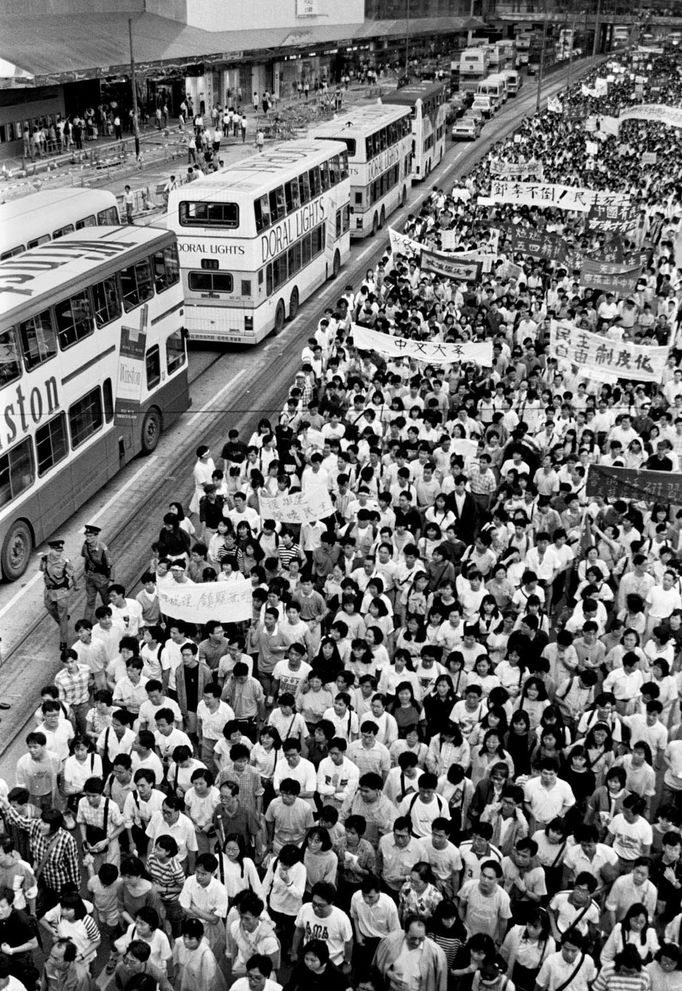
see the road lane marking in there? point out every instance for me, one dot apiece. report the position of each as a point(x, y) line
point(210, 405)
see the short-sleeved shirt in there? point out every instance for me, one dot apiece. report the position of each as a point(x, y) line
point(567, 914)
point(556, 972)
point(484, 912)
point(630, 838)
point(335, 930)
point(291, 822)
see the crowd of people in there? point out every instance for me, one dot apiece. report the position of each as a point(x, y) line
point(446, 752)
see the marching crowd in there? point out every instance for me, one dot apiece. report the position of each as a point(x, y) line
point(446, 752)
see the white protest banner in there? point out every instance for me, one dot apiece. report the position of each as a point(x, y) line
point(609, 125)
point(296, 507)
point(591, 124)
point(601, 86)
point(544, 195)
point(649, 158)
point(554, 105)
point(531, 169)
point(226, 602)
point(508, 270)
point(401, 244)
point(433, 352)
point(466, 448)
point(651, 49)
point(460, 194)
point(591, 148)
point(448, 240)
point(627, 361)
point(656, 112)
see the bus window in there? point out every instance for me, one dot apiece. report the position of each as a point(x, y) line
point(106, 301)
point(175, 351)
point(246, 287)
point(343, 164)
point(153, 367)
point(262, 211)
point(108, 397)
point(38, 240)
point(202, 214)
point(51, 443)
point(324, 176)
point(136, 284)
point(74, 319)
point(304, 187)
point(279, 271)
point(108, 217)
point(10, 363)
point(212, 282)
point(291, 195)
point(16, 471)
point(38, 340)
point(61, 231)
point(86, 222)
point(12, 252)
point(85, 417)
point(334, 170)
point(314, 178)
point(277, 204)
point(166, 268)
point(294, 259)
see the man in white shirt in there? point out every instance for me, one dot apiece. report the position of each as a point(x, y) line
point(337, 776)
point(548, 796)
point(425, 807)
point(321, 919)
point(128, 611)
point(569, 966)
point(296, 767)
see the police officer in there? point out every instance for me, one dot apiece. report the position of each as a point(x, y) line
point(98, 568)
point(59, 578)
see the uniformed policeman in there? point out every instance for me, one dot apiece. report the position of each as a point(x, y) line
point(98, 568)
point(59, 578)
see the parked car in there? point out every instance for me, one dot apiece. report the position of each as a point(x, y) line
point(466, 129)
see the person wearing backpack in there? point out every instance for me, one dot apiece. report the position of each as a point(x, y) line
point(424, 807)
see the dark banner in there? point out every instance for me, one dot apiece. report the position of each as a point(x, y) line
point(631, 483)
point(618, 218)
point(450, 266)
point(541, 244)
point(611, 277)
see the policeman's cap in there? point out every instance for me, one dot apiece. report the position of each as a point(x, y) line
point(92, 528)
point(56, 544)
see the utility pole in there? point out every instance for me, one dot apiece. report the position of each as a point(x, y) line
point(133, 83)
point(595, 47)
point(542, 56)
point(407, 37)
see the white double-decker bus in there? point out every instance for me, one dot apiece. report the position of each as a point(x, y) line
point(50, 214)
point(259, 239)
point(429, 111)
point(93, 365)
point(379, 143)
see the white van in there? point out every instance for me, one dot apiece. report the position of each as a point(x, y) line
point(513, 79)
point(495, 88)
point(484, 104)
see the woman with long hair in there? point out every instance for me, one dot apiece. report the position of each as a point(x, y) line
point(447, 748)
point(525, 948)
point(517, 742)
point(237, 871)
point(634, 930)
point(405, 709)
point(446, 929)
point(264, 756)
point(533, 700)
point(319, 859)
point(438, 705)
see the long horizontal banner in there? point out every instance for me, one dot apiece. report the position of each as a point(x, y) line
point(433, 352)
point(226, 602)
point(631, 483)
point(450, 266)
point(628, 361)
point(516, 170)
point(297, 507)
point(544, 195)
point(672, 116)
point(611, 277)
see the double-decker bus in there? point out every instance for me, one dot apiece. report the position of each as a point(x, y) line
point(429, 111)
point(379, 142)
point(259, 239)
point(93, 365)
point(51, 213)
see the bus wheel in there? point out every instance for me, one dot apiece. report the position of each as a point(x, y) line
point(279, 317)
point(375, 225)
point(336, 265)
point(293, 304)
point(16, 550)
point(151, 431)
point(382, 218)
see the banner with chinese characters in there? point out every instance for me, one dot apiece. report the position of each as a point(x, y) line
point(516, 170)
point(539, 244)
point(433, 352)
point(609, 276)
point(297, 507)
point(649, 158)
point(545, 195)
point(617, 217)
point(226, 602)
point(451, 266)
point(631, 483)
point(401, 244)
point(672, 116)
point(627, 361)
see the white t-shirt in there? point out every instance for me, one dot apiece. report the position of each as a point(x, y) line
point(335, 930)
point(629, 838)
point(422, 814)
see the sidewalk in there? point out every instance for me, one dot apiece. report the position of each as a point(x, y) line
point(111, 163)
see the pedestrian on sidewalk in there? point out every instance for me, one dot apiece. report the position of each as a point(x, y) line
point(260, 140)
point(191, 150)
point(243, 127)
point(255, 103)
point(118, 133)
point(129, 203)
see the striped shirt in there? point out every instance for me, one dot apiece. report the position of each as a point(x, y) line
point(74, 688)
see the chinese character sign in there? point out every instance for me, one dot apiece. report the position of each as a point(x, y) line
point(401, 244)
point(631, 483)
point(450, 266)
point(672, 116)
point(433, 352)
point(226, 602)
point(297, 507)
point(628, 361)
point(611, 277)
point(546, 194)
